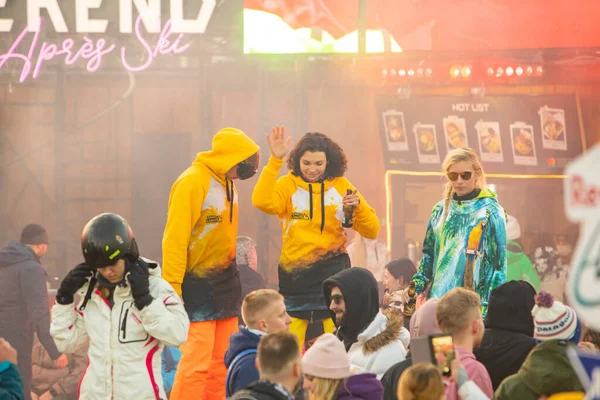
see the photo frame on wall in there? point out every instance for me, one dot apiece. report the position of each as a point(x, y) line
point(523, 144)
point(395, 130)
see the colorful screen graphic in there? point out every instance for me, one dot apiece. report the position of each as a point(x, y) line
point(331, 26)
point(307, 27)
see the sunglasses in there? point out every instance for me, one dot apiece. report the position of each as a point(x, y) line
point(337, 299)
point(453, 176)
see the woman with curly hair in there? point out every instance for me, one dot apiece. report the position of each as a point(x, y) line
point(314, 202)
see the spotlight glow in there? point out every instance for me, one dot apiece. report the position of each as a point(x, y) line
point(465, 71)
point(539, 71)
point(454, 71)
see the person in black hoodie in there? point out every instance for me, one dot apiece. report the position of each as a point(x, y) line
point(24, 300)
point(361, 300)
point(508, 336)
point(374, 340)
point(279, 363)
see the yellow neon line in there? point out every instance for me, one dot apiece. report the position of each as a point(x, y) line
point(388, 191)
point(581, 125)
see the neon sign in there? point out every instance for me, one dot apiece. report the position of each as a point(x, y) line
point(92, 51)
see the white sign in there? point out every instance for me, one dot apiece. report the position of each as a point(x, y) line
point(582, 205)
point(148, 10)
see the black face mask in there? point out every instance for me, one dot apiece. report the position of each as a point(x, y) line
point(245, 171)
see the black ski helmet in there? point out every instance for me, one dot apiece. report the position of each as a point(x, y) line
point(105, 239)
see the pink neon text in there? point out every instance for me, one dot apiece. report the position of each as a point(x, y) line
point(90, 50)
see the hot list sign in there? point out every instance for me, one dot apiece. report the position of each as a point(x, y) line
point(29, 52)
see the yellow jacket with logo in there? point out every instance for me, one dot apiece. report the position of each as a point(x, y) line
point(311, 216)
point(200, 235)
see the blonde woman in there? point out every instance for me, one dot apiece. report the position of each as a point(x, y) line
point(327, 374)
point(465, 243)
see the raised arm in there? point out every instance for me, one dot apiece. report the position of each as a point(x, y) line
point(270, 195)
point(68, 327)
point(161, 310)
point(165, 317)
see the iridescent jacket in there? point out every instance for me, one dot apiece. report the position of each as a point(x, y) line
point(468, 249)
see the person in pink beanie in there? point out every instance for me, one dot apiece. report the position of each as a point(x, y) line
point(328, 376)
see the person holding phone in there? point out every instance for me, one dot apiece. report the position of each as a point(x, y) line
point(128, 312)
point(458, 313)
point(465, 242)
point(314, 202)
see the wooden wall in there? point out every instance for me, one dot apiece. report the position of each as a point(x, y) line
point(96, 158)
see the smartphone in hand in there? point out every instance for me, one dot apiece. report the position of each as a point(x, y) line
point(436, 349)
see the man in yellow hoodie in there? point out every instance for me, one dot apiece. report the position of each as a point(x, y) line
point(199, 259)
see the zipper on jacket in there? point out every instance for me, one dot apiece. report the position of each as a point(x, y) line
point(124, 324)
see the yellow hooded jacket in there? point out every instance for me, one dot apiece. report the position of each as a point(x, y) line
point(200, 235)
point(311, 216)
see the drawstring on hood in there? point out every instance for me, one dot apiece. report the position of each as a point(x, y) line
point(310, 194)
point(230, 197)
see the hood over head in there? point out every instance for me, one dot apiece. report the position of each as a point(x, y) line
point(423, 322)
point(14, 252)
point(361, 297)
point(510, 307)
point(230, 146)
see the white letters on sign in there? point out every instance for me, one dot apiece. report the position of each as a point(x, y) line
point(33, 15)
point(5, 24)
point(84, 23)
point(194, 26)
point(149, 10)
point(582, 205)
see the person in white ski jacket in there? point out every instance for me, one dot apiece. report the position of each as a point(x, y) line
point(128, 312)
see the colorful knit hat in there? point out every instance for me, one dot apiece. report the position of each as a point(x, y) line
point(553, 319)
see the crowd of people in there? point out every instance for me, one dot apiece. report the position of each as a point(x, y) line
point(203, 325)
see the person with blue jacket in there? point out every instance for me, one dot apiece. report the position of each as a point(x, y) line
point(11, 386)
point(170, 361)
point(263, 312)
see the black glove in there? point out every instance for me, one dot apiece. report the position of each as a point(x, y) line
point(74, 280)
point(138, 280)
